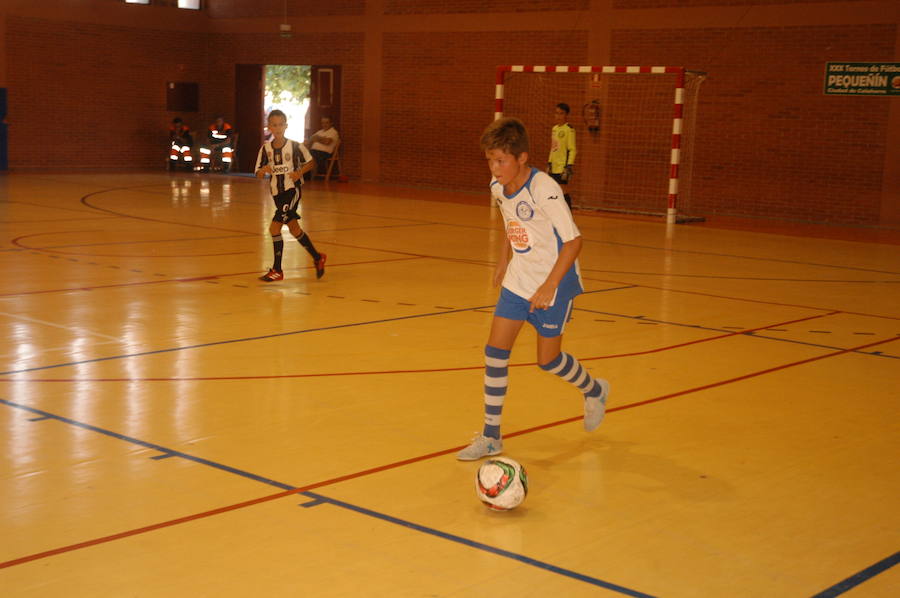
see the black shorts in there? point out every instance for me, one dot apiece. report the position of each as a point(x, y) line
point(558, 177)
point(286, 205)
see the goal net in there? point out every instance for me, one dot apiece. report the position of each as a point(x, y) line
point(634, 131)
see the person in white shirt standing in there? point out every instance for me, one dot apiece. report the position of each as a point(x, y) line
point(323, 143)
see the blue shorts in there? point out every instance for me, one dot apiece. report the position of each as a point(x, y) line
point(548, 322)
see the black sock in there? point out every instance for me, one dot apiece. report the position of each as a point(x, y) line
point(278, 246)
point(307, 244)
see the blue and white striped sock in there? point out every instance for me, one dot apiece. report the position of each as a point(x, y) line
point(496, 380)
point(569, 369)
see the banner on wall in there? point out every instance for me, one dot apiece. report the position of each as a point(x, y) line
point(862, 78)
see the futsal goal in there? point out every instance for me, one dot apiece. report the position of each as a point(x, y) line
point(634, 125)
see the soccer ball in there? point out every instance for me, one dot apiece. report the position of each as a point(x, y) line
point(501, 484)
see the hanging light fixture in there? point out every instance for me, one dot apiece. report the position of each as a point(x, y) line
point(284, 29)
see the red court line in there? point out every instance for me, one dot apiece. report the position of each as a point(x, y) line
point(395, 465)
point(421, 371)
point(708, 386)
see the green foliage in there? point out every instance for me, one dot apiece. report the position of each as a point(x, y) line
point(288, 79)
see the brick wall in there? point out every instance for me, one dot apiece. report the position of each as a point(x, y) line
point(87, 96)
point(437, 97)
point(233, 9)
point(769, 142)
point(411, 7)
point(630, 4)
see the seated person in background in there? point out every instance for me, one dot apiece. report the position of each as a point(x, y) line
point(220, 138)
point(323, 143)
point(180, 132)
point(180, 143)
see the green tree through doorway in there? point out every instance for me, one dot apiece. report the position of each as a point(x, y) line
point(287, 89)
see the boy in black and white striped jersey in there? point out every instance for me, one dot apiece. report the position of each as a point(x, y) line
point(285, 161)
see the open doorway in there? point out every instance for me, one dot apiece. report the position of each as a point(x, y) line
point(286, 88)
point(305, 93)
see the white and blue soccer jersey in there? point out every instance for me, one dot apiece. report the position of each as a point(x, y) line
point(538, 222)
point(284, 160)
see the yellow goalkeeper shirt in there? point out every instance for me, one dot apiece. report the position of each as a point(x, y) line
point(562, 148)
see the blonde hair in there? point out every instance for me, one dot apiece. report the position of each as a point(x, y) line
point(507, 134)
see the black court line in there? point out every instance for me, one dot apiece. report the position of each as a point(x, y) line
point(750, 278)
point(147, 242)
point(858, 578)
point(318, 498)
point(746, 257)
point(477, 227)
point(237, 340)
point(751, 333)
point(84, 201)
point(481, 309)
point(267, 336)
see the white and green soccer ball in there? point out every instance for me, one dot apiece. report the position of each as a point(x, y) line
point(501, 483)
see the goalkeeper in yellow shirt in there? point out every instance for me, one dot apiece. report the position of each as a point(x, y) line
point(562, 150)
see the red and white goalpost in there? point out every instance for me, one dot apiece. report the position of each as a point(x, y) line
point(631, 133)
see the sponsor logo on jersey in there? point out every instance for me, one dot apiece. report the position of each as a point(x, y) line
point(281, 168)
point(518, 237)
point(524, 211)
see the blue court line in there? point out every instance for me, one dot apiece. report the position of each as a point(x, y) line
point(267, 336)
point(478, 545)
point(165, 452)
point(864, 575)
point(318, 499)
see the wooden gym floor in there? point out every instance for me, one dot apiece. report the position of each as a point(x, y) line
point(171, 426)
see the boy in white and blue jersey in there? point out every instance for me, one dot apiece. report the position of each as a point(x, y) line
point(285, 161)
point(539, 275)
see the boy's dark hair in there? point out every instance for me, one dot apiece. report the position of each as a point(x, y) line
point(177, 121)
point(507, 134)
point(278, 113)
point(564, 107)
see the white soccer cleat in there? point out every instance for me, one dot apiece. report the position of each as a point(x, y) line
point(595, 407)
point(482, 446)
